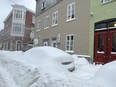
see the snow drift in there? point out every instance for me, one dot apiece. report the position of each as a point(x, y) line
point(105, 76)
point(17, 70)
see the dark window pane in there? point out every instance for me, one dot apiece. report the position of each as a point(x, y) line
point(114, 42)
point(67, 48)
point(67, 37)
point(100, 42)
point(71, 47)
point(100, 25)
point(71, 37)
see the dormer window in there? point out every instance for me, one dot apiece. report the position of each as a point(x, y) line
point(43, 4)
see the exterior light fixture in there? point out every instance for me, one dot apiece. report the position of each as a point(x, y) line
point(115, 24)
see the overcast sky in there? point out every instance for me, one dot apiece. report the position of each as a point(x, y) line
point(5, 8)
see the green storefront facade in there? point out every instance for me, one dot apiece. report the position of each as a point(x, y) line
point(103, 14)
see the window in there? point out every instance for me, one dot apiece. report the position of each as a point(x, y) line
point(17, 28)
point(38, 25)
point(69, 42)
point(43, 5)
point(18, 14)
point(46, 22)
point(71, 11)
point(100, 43)
point(33, 19)
point(114, 42)
point(54, 43)
point(100, 25)
point(55, 18)
point(105, 1)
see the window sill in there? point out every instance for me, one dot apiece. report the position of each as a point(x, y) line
point(70, 19)
point(54, 25)
point(69, 51)
point(106, 2)
point(46, 28)
point(100, 29)
point(102, 52)
point(111, 27)
point(113, 52)
point(38, 30)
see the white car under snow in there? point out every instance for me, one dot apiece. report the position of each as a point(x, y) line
point(50, 58)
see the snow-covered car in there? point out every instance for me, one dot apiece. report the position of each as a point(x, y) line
point(50, 58)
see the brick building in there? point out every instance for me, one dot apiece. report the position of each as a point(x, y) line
point(17, 27)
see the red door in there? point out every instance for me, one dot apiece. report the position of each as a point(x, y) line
point(100, 47)
point(105, 46)
point(112, 45)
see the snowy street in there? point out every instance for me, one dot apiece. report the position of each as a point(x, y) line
point(26, 69)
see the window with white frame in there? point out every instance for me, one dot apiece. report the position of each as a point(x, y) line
point(46, 22)
point(55, 18)
point(43, 5)
point(38, 25)
point(18, 14)
point(71, 11)
point(33, 19)
point(54, 43)
point(70, 42)
point(17, 28)
point(105, 1)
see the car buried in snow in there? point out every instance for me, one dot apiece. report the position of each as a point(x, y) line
point(50, 58)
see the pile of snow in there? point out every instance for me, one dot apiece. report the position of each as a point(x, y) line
point(23, 74)
point(82, 65)
point(12, 54)
point(105, 76)
point(6, 79)
point(23, 69)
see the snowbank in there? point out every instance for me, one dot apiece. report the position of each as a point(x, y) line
point(17, 70)
point(6, 79)
point(105, 76)
point(83, 69)
point(23, 74)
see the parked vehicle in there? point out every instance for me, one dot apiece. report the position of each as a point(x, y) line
point(50, 58)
